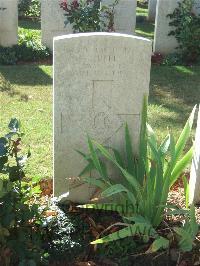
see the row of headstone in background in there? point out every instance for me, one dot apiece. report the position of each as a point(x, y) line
point(52, 19)
point(99, 83)
point(163, 43)
point(8, 22)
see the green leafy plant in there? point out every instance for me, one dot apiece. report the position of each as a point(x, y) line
point(29, 48)
point(89, 15)
point(29, 8)
point(20, 217)
point(187, 234)
point(141, 195)
point(186, 30)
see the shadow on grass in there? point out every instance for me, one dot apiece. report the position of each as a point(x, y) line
point(176, 84)
point(145, 28)
point(27, 75)
point(173, 93)
point(29, 24)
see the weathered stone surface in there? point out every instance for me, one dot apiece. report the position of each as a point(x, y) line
point(195, 168)
point(152, 10)
point(196, 7)
point(99, 83)
point(125, 15)
point(163, 43)
point(52, 22)
point(8, 22)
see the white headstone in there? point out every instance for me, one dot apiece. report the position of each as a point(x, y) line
point(194, 194)
point(196, 8)
point(163, 43)
point(152, 10)
point(125, 15)
point(52, 22)
point(99, 83)
point(8, 22)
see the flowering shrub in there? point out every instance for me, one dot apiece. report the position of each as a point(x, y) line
point(89, 15)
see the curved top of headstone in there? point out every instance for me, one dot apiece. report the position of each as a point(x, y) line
point(96, 34)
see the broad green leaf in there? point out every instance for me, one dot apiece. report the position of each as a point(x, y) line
point(159, 243)
point(3, 150)
point(89, 167)
point(14, 125)
point(143, 143)
point(129, 151)
point(137, 219)
point(3, 140)
point(151, 135)
point(116, 189)
point(131, 230)
point(186, 240)
point(177, 212)
point(128, 176)
point(1, 184)
point(118, 158)
point(193, 222)
point(164, 146)
point(180, 166)
point(184, 135)
point(186, 191)
point(95, 159)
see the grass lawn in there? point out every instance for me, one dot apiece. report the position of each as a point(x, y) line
point(143, 27)
point(173, 93)
point(30, 100)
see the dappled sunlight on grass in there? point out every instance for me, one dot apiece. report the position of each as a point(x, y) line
point(32, 104)
point(173, 93)
point(145, 29)
point(184, 69)
point(141, 11)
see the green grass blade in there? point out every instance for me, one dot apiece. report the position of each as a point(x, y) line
point(184, 135)
point(143, 143)
point(164, 146)
point(96, 160)
point(118, 158)
point(129, 152)
point(186, 191)
point(131, 179)
point(116, 189)
point(89, 167)
point(180, 166)
point(159, 243)
point(131, 230)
